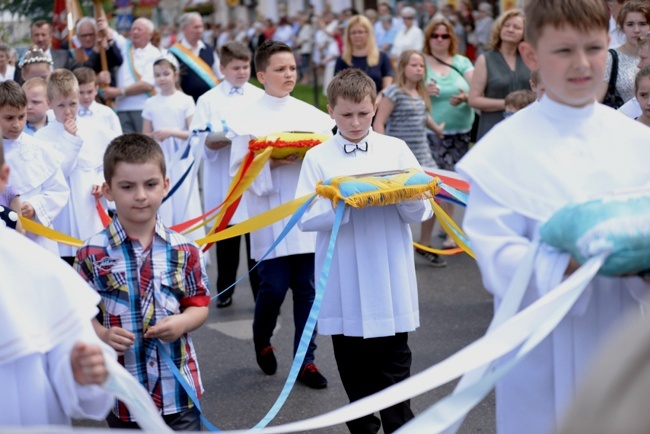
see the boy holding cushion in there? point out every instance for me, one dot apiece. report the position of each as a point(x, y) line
point(370, 301)
point(291, 263)
point(552, 153)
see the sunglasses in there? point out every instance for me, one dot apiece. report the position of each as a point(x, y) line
point(439, 36)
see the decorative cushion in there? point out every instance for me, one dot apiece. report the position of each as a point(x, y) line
point(378, 189)
point(619, 222)
point(287, 143)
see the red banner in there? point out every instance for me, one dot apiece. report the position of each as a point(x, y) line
point(59, 23)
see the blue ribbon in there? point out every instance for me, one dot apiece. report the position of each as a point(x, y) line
point(310, 325)
point(188, 389)
point(186, 153)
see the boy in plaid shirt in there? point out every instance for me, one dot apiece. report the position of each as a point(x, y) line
point(152, 282)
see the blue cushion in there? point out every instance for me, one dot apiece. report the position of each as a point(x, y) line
point(620, 223)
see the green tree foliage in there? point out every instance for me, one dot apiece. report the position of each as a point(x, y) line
point(34, 9)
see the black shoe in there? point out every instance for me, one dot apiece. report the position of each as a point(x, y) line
point(434, 259)
point(223, 302)
point(310, 377)
point(266, 360)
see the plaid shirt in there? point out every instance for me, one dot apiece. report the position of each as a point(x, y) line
point(139, 287)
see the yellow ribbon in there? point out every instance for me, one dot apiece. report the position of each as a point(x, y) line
point(44, 231)
point(447, 224)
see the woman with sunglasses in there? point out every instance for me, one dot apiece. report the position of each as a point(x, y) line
point(499, 71)
point(448, 77)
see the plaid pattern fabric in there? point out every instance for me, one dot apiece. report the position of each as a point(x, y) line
point(139, 287)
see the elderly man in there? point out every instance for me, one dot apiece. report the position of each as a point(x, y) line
point(198, 61)
point(88, 53)
point(135, 82)
point(41, 37)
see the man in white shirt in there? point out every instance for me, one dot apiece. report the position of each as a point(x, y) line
point(135, 82)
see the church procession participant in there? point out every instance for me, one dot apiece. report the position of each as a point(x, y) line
point(214, 107)
point(199, 64)
point(135, 82)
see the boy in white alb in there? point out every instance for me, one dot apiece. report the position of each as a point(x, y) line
point(97, 113)
point(550, 154)
point(371, 300)
point(81, 145)
point(36, 175)
point(291, 264)
point(214, 107)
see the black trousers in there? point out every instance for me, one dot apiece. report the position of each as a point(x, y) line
point(228, 262)
point(367, 366)
point(188, 420)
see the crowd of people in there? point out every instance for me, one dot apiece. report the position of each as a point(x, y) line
point(109, 124)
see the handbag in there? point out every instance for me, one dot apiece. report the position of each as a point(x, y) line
point(612, 97)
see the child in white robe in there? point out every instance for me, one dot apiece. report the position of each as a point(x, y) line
point(36, 175)
point(214, 108)
point(81, 145)
point(50, 357)
point(166, 117)
point(564, 149)
point(371, 300)
point(291, 262)
point(89, 107)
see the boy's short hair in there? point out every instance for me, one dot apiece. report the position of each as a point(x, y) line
point(644, 41)
point(266, 50)
point(643, 73)
point(520, 98)
point(62, 82)
point(234, 50)
point(12, 95)
point(34, 82)
point(84, 75)
point(583, 15)
point(133, 148)
point(535, 77)
point(351, 84)
point(640, 7)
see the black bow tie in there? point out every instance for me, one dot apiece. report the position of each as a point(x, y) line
point(352, 147)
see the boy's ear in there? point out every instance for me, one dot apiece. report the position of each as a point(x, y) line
point(529, 54)
point(260, 76)
point(106, 191)
point(330, 110)
point(166, 184)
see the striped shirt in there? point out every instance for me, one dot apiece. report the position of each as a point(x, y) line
point(139, 287)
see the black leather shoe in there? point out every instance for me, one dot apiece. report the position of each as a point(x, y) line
point(311, 377)
point(223, 302)
point(266, 360)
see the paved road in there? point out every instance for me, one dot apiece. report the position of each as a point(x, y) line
point(454, 311)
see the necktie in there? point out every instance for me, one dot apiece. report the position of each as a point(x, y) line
point(237, 90)
point(85, 112)
point(352, 147)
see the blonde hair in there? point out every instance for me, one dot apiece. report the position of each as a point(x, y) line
point(431, 27)
point(495, 36)
point(520, 98)
point(373, 50)
point(400, 76)
point(62, 82)
point(34, 82)
point(644, 41)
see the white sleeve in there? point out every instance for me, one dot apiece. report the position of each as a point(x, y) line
point(320, 215)
point(51, 200)
point(78, 401)
point(500, 238)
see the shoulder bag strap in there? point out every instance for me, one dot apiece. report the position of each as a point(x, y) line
point(451, 66)
point(613, 74)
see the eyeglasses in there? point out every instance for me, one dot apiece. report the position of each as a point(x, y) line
point(86, 35)
point(440, 36)
point(408, 18)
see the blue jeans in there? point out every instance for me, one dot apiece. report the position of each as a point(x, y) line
point(276, 277)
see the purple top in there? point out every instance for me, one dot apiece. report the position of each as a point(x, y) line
point(7, 196)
